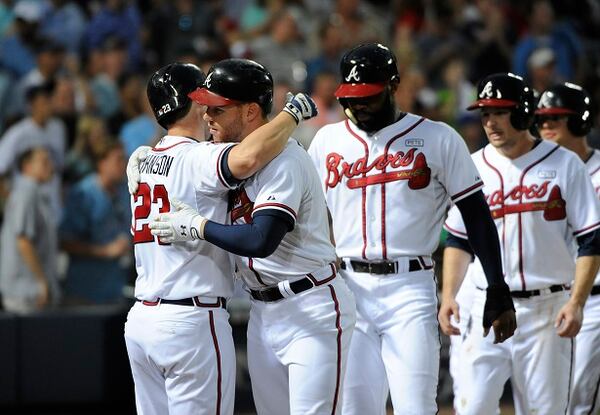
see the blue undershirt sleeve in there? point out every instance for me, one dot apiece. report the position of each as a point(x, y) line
point(258, 239)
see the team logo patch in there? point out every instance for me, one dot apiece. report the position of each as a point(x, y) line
point(414, 142)
point(353, 75)
point(208, 80)
point(546, 174)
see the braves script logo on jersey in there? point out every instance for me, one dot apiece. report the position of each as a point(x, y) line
point(554, 207)
point(353, 75)
point(418, 176)
point(241, 205)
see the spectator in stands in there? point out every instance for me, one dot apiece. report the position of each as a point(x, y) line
point(29, 242)
point(64, 22)
point(282, 50)
point(142, 129)
point(545, 32)
point(95, 232)
point(39, 129)
point(49, 58)
point(330, 44)
point(541, 69)
point(91, 137)
point(120, 19)
point(16, 50)
point(112, 63)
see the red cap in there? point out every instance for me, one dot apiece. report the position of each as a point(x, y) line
point(492, 102)
point(554, 111)
point(203, 96)
point(358, 90)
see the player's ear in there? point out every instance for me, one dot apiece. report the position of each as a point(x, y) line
point(252, 111)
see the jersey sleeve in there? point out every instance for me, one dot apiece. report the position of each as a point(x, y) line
point(280, 187)
point(459, 174)
point(315, 156)
point(204, 161)
point(583, 207)
point(454, 223)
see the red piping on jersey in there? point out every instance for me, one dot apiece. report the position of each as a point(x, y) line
point(279, 205)
point(386, 151)
point(595, 171)
point(338, 326)
point(256, 274)
point(219, 174)
point(452, 230)
point(218, 354)
point(521, 266)
point(485, 160)
point(364, 191)
point(316, 282)
point(467, 190)
point(587, 228)
point(518, 208)
point(171, 146)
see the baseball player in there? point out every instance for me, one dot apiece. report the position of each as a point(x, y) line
point(177, 334)
point(302, 314)
point(564, 115)
point(388, 177)
point(541, 199)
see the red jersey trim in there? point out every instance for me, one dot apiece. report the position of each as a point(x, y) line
point(279, 206)
point(455, 232)
point(364, 191)
point(172, 145)
point(469, 189)
point(219, 172)
point(587, 229)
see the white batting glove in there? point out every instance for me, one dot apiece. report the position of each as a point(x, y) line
point(182, 225)
point(133, 167)
point(300, 106)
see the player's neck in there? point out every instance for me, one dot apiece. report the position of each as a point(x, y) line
point(522, 145)
point(579, 146)
point(187, 131)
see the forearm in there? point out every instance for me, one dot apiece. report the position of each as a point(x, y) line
point(83, 249)
point(586, 268)
point(256, 240)
point(483, 236)
point(455, 264)
point(261, 146)
point(31, 259)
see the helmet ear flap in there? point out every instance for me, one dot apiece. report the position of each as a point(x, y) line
point(577, 126)
point(520, 118)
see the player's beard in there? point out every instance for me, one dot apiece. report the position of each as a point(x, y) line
point(373, 121)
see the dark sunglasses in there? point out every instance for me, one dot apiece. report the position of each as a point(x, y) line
point(540, 119)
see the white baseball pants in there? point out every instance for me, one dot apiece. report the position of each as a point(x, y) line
point(585, 399)
point(396, 342)
point(182, 359)
point(536, 359)
point(297, 350)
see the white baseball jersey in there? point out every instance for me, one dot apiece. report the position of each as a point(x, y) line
point(540, 202)
point(593, 168)
point(290, 185)
point(388, 191)
point(181, 168)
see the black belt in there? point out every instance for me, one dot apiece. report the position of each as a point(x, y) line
point(595, 290)
point(385, 267)
point(532, 293)
point(193, 301)
point(273, 293)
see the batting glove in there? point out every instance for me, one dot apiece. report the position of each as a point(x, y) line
point(133, 168)
point(300, 106)
point(182, 225)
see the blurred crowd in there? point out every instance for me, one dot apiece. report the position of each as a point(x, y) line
point(73, 103)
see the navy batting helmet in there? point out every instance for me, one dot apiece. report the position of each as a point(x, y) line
point(233, 81)
point(366, 70)
point(570, 100)
point(506, 90)
point(168, 90)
